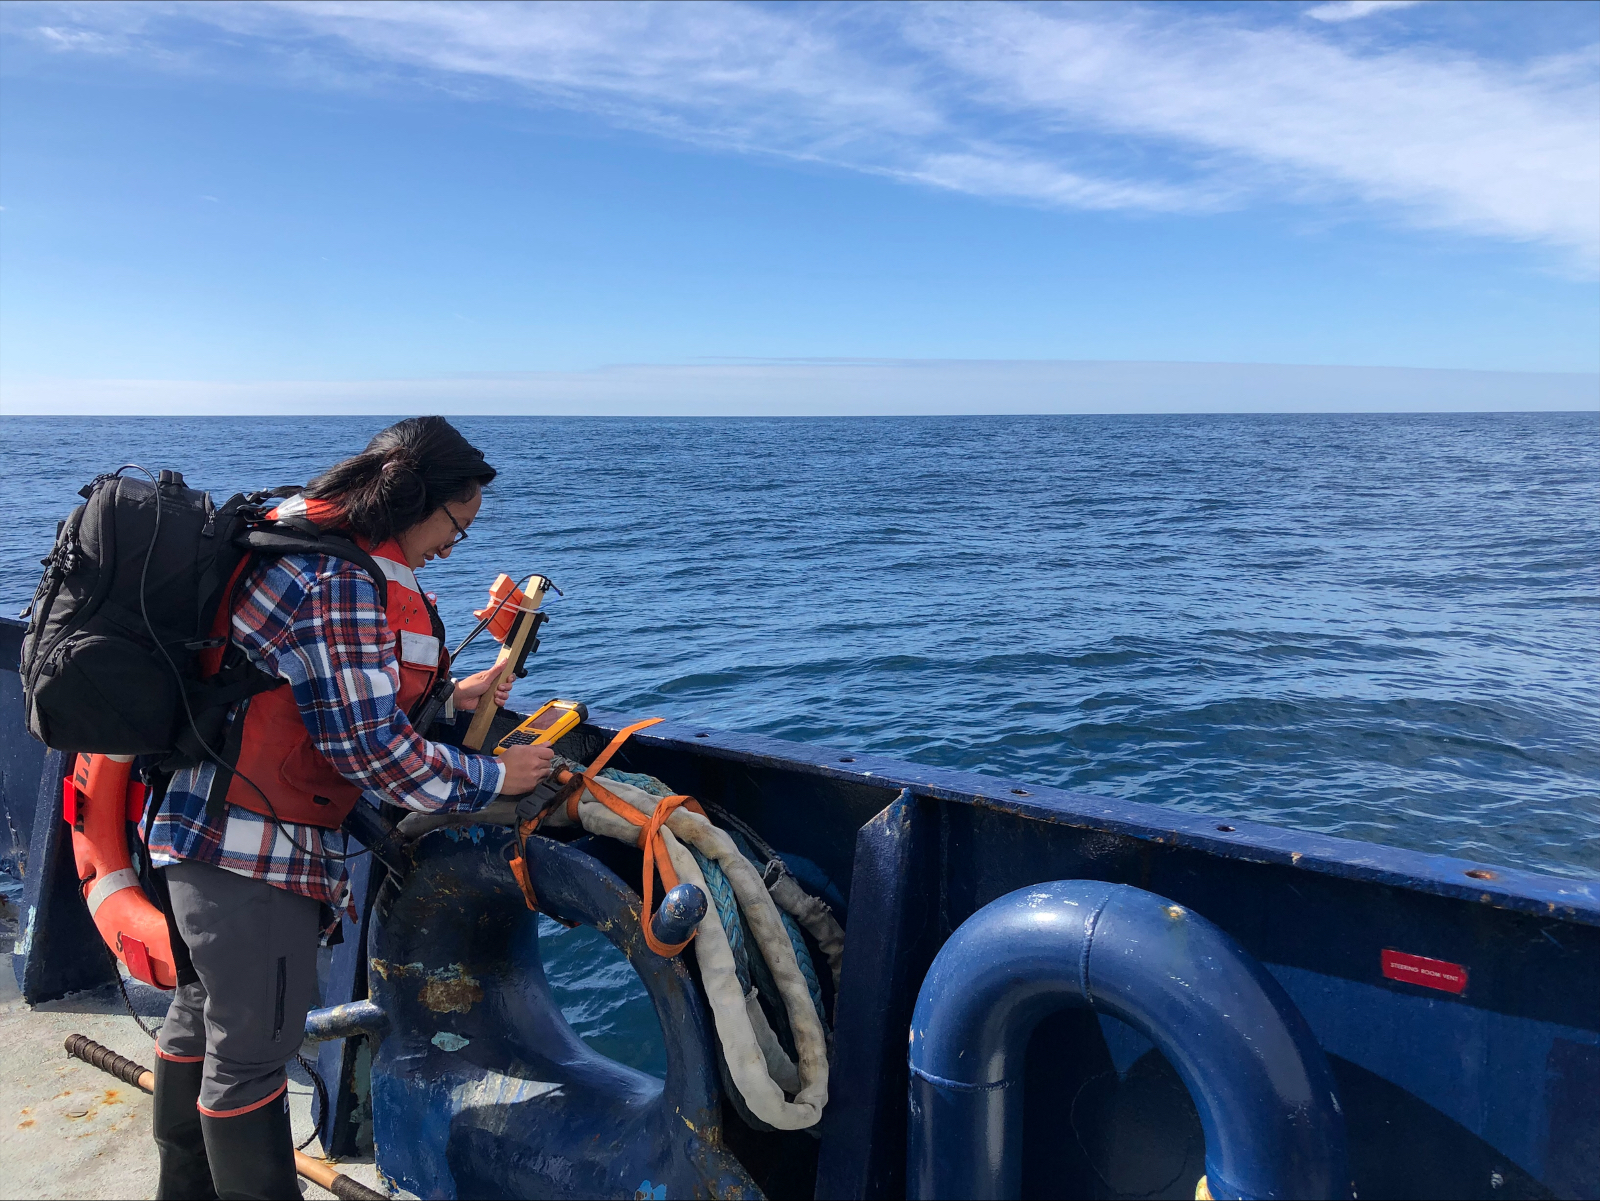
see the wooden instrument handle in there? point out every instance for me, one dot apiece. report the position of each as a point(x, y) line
point(510, 655)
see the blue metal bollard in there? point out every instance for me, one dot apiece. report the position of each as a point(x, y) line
point(680, 912)
point(1261, 1084)
point(347, 1020)
point(481, 1088)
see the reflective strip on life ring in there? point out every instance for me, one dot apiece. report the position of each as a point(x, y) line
point(106, 885)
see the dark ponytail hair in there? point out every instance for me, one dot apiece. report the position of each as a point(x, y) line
point(407, 473)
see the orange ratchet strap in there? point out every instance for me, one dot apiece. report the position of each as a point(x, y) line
point(655, 851)
point(519, 867)
point(656, 859)
point(598, 766)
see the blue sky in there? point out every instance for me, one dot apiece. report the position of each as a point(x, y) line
point(241, 194)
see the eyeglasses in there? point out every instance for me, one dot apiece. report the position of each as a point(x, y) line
point(461, 534)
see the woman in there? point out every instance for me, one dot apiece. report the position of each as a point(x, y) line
point(252, 855)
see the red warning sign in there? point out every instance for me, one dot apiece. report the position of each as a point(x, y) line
point(1430, 973)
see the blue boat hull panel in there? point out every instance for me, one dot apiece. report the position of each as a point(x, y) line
point(1492, 1091)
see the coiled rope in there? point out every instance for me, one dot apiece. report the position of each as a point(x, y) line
point(781, 1077)
point(723, 898)
point(783, 1089)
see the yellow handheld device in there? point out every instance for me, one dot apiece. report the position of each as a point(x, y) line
point(552, 720)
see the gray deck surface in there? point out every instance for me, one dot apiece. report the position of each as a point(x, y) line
point(70, 1130)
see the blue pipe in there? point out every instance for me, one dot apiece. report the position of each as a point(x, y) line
point(343, 1021)
point(1272, 1123)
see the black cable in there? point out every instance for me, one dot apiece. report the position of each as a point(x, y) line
point(122, 987)
point(322, 1100)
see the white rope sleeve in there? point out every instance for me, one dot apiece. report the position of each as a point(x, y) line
point(759, 1072)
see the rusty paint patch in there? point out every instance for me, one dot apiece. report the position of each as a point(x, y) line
point(450, 990)
point(383, 967)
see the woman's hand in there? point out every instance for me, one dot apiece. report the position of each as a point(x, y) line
point(526, 768)
point(471, 689)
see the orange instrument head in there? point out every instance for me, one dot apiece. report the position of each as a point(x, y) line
point(506, 600)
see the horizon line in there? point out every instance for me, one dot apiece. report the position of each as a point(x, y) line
point(837, 387)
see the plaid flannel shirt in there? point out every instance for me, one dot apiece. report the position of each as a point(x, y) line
point(316, 622)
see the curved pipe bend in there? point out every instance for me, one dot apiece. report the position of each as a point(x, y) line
point(1261, 1084)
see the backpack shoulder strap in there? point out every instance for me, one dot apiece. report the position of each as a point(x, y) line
point(288, 538)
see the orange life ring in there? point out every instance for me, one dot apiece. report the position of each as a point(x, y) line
point(99, 801)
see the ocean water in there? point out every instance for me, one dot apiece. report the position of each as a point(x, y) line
point(1378, 626)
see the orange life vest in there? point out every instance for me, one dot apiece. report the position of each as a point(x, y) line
point(99, 800)
point(274, 749)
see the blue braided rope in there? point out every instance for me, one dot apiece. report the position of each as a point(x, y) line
point(802, 956)
point(638, 780)
point(728, 910)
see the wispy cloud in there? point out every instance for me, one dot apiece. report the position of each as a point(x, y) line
point(1351, 10)
point(1080, 106)
point(1447, 143)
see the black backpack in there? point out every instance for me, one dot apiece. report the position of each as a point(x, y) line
point(111, 657)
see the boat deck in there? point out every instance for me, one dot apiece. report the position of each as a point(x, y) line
point(72, 1131)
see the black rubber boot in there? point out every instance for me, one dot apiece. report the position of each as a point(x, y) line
point(185, 1171)
point(252, 1155)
